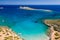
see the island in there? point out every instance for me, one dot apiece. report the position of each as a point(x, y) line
point(27, 8)
point(7, 34)
point(54, 28)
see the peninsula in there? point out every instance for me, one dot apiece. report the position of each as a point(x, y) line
point(54, 27)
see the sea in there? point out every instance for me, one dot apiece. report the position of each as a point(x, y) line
point(28, 24)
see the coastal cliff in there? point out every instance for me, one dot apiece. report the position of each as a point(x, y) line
point(54, 27)
point(7, 34)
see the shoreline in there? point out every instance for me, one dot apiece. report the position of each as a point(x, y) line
point(54, 28)
point(7, 34)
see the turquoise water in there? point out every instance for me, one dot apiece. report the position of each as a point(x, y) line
point(29, 30)
point(27, 23)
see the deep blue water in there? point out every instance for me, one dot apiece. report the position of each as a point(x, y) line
point(50, 7)
point(29, 23)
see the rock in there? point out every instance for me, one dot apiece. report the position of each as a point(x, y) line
point(54, 27)
point(7, 34)
point(55, 23)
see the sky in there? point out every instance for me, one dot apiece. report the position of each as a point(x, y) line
point(29, 2)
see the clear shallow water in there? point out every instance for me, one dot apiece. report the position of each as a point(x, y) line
point(28, 23)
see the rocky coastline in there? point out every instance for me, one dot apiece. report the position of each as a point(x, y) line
point(7, 34)
point(54, 28)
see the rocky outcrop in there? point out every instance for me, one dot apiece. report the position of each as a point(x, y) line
point(54, 27)
point(55, 23)
point(7, 34)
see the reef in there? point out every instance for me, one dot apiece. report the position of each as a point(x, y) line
point(54, 28)
point(7, 34)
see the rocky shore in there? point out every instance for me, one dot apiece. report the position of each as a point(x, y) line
point(54, 27)
point(7, 34)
